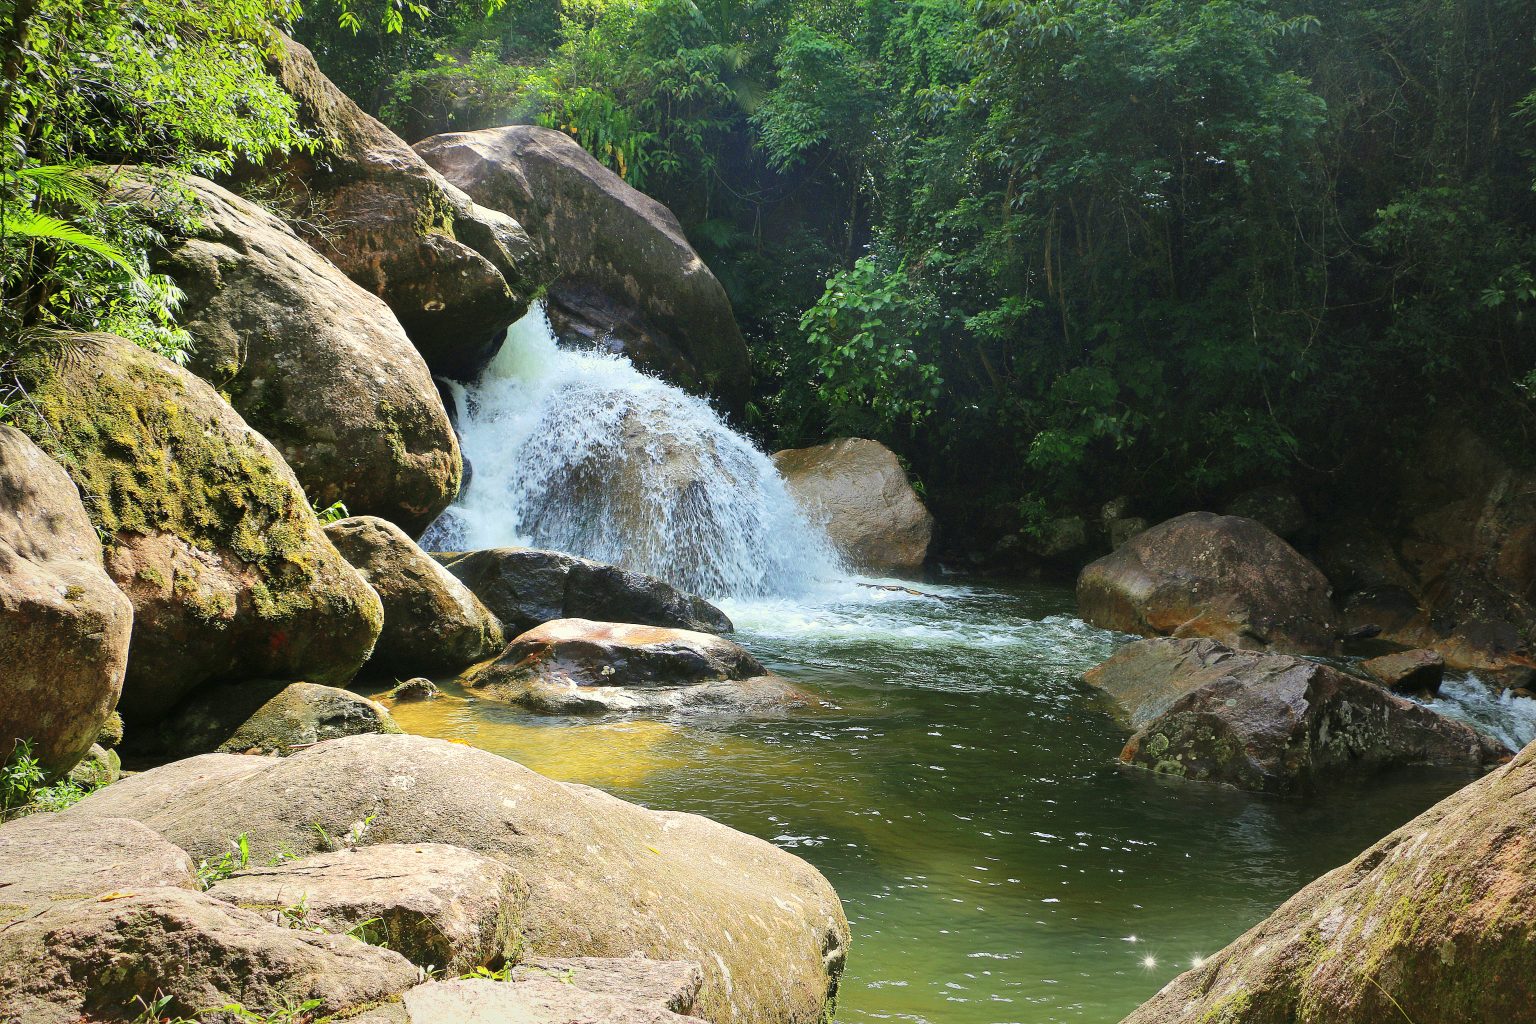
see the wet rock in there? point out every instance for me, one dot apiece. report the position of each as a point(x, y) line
point(1433, 923)
point(604, 875)
point(413, 690)
point(432, 622)
point(45, 859)
point(314, 362)
point(1408, 671)
point(64, 625)
point(438, 906)
point(268, 717)
point(1269, 722)
point(857, 489)
point(628, 279)
point(526, 587)
point(91, 959)
point(454, 273)
point(577, 666)
point(207, 531)
point(1221, 577)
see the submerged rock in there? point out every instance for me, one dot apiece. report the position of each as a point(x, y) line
point(438, 906)
point(1408, 671)
point(1434, 923)
point(64, 625)
point(526, 587)
point(268, 717)
point(317, 364)
point(858, 491)
point(432, 622)
point(606, 878)
point(577, 666)
point(206, 529)
point(1269, 722)
point(1204, 575)
point(416, 689)
point(454, 273)
point(628, 278)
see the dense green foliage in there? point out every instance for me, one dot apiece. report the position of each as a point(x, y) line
point(1056, 251)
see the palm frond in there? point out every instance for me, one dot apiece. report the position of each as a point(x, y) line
point(63, 183)
point(50, 229)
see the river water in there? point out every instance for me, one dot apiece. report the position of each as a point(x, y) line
point(957, 782)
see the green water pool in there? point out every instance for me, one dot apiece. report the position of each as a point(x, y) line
point(959, 788)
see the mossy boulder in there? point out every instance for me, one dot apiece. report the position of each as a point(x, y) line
point(606, 878)
point(206, 528)
point(1270, 722)
point(264, 716)
point(432, 622)
point(64, 625)
point(1435, 923)
point(317, 364)
point(1223, 577)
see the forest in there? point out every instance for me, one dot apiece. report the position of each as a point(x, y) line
point(1050, 253)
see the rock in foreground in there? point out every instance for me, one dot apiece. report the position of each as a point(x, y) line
point(858, 491)
point(432, 622)
point(1204, 575)
point(527, 587)
point(577, 666)
point(207, 531)
point(64, 625)
point(606, 878)
point(1434, 923)
point(1268, 722)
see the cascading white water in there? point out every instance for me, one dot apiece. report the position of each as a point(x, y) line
point(579, 451)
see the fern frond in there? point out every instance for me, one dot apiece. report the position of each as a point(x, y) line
point(51, 229)
point(61, 183)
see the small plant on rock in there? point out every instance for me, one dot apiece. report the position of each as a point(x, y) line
point(234, 859)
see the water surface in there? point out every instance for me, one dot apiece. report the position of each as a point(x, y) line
point(959, 788)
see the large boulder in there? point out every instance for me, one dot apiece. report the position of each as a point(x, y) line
point(455, 274)
point(438, 906)
point(526, 587)
point(206, 529)
point(1222, 577)
point(1270, 722)
point(858, 491)
point(264, 716)
point(627, 276)
point(606, 878)
point(432, 622)
point(1433, 923)
point(321, 367)
point(45, 860)
point(576, 666)
point(64, 625)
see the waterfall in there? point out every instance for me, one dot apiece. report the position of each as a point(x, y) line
point(578, 451)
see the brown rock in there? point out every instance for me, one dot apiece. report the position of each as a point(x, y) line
point(315, 363)
point(207, 530)
point(1221, 577)
point(536, 1000)
point(627, 276)
point(857, 489)
point(605, 876)
point(266, 716)
point(64, 625)
point(665, 984)
point(438, 906)
point(45, 859)
point(432, 622)
point(1269, 722)
point(1408, 671)
point(1433, 923)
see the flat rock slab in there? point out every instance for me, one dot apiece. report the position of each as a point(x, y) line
point(536, 1000)
point(1269, 722)
point(45, 859)
point(90, 959)
point(669, 984)
point(438, 906)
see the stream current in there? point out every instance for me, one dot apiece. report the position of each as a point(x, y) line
point(958, 786)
